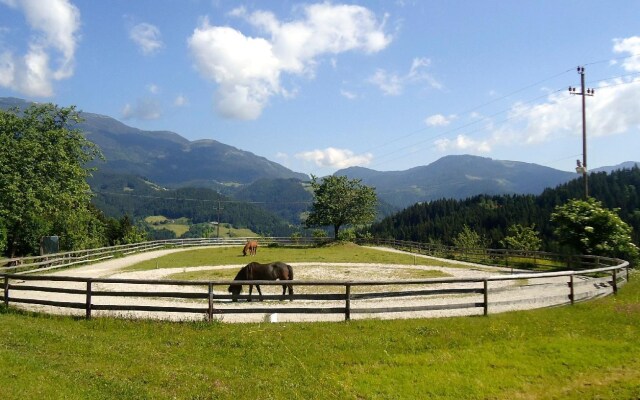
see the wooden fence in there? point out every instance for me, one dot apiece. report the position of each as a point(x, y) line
point(208, 299)
point(79, 257)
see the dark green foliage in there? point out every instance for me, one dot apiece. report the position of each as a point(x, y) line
point(588, 228)
point(118, 195)
point(525, 238)
point(491, 216)
point(339, 201)
point(286, 198)
point(43, 189)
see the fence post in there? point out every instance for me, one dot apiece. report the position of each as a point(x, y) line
point(486, 297)
point(88, 304)
point(347, 309)
point(572, 295)
point(614, 283)
point(210, 312)
point(6, 291)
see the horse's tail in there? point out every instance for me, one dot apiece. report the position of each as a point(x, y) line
point(290, 286)
point(290, 272)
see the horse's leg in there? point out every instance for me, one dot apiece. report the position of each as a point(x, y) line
point(259, 291)
point(290, 292)
point(284, 290)
point(250, 291)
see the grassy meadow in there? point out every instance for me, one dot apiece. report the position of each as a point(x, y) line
point(180, 226)
point(587, 351)
point(342, 253)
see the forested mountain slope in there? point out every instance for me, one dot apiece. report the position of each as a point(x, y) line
point(118, 194)
point(441, 220)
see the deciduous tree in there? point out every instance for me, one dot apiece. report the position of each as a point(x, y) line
point(521, 237)
point(340, 201)
point(43, 171)
point(589, 228)
point(470, 239)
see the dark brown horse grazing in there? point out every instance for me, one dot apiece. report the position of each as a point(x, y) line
point(263, 272)
point(251, 247)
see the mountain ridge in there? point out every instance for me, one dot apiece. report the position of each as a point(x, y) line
point(458, 177)
point(169, 159)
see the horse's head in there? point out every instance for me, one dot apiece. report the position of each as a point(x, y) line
point(235, 291)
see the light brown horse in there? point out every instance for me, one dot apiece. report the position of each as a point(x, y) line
point(251, 247)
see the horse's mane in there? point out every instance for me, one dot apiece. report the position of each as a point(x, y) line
point(242, 274)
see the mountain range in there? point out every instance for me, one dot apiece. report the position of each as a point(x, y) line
point(458, 177)
point(168, 159)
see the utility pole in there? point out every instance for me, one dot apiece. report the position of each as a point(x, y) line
point(219, 208)
point(582, 167)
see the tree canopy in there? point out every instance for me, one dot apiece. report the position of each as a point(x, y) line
point(43, 188)
point(340, 201)
point(524, 238)
point(589, 228)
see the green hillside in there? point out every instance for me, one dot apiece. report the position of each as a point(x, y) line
point(441, 220)
point(118, 195)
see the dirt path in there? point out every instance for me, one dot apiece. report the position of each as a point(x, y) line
point(504, 295)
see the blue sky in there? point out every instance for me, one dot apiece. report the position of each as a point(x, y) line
point(319, 86)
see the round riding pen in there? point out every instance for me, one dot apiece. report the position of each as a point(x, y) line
point(493, 282)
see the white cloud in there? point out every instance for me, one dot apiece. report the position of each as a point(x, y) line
point(146, 109)
point(611, 111)
point(463, 143)
point(348, 95)
point(180, 101)
point(629, 45)
point(248, 70)
point(54, 26)
point(153, 88)
point(392, 84)
point(335, 158)
point(147, 37)
point(439, 120)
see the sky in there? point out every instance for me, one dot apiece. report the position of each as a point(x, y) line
point(320, 86)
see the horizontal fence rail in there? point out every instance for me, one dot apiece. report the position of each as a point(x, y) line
point(595, 277)
point(80, 257)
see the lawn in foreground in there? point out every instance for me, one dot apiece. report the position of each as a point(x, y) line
point(589, 350)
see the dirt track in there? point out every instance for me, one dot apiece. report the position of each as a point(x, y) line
point(542, 293)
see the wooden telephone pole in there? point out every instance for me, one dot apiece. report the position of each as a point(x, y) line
point(582, 167)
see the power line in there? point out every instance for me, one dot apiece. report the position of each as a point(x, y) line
point(380, 158)
point(608, 60)
point(201, 200)
point(475, 108)
point(484, 119)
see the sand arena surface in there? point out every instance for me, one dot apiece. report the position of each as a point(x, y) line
point(504, 295)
